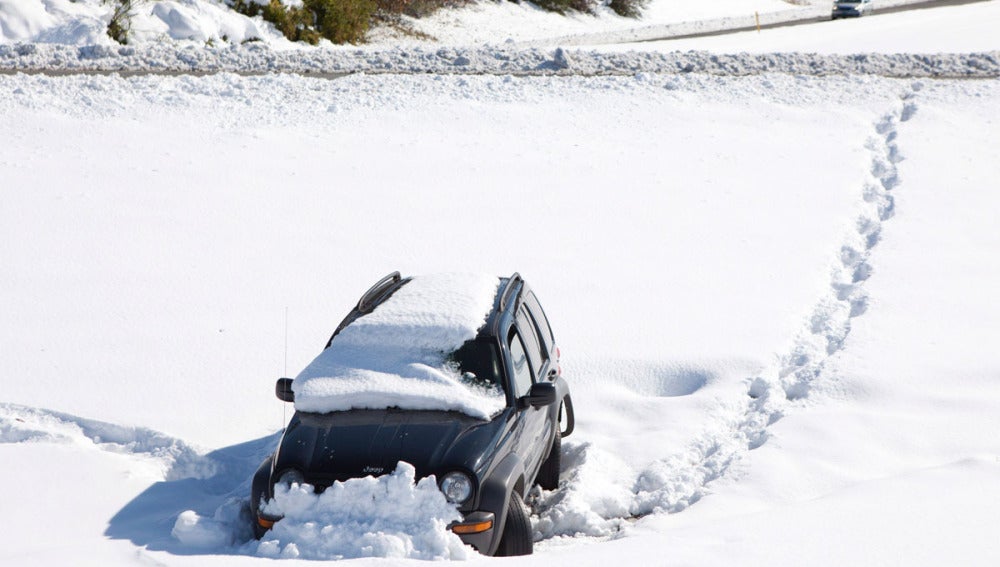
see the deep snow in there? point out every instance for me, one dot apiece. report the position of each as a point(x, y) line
point(773, 295)
point(741, 263)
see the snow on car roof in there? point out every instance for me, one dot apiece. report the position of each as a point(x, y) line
point(395, 356)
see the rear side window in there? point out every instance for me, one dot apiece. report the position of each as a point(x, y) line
point(529, 332)
point(541, 322)
point(519, 361)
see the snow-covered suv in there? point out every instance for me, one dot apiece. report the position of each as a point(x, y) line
point(457, 375)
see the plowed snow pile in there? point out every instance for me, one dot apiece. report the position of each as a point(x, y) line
point(389, 516)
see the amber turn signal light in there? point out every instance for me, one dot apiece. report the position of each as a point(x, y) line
point(475, 528)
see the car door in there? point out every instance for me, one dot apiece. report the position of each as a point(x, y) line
point(534, 423)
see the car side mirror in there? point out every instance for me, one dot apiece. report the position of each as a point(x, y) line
point(283, 389)
point(540, 395)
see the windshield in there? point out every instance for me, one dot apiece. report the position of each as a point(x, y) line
point(478, 364)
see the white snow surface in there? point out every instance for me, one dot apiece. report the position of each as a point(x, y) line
point(395, 356)
point(432, 313)
point(774, 295)
point(85, 22)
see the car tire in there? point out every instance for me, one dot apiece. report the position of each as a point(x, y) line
point(516, 538)
point(548, 474)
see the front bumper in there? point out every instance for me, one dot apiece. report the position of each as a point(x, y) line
point(477, 529)
point(846, 13)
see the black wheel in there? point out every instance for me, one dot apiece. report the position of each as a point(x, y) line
point(548, 475)
point(516, 538)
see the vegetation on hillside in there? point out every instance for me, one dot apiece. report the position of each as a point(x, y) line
point(348, 21)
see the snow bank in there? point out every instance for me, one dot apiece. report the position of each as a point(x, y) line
point(22, 424)
point(388, 516)
point(396, 355)
point(259, 58)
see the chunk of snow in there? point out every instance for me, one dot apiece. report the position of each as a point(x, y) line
point(396, 355)
point(388, 516)
point(197, 531)
point(180, 21)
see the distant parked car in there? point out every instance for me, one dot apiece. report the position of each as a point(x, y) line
point(852, 8)
point(487, 421)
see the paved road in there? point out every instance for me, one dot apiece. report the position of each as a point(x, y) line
point(878, 12)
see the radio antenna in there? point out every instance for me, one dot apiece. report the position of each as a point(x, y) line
point(285, 373)
point(286, 342)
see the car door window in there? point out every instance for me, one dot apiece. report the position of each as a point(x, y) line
point(519, 361)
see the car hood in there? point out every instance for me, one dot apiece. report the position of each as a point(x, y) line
point(357, 443)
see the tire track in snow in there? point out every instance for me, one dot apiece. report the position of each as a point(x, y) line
point(672, 484)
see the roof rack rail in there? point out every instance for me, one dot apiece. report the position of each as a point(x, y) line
point(373, 296)
point(508, 289)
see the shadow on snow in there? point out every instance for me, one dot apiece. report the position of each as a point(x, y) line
point(148, 519)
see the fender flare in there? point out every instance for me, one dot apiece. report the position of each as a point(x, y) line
point(495, 493)
point(566, 401)
point(570, 418)
point(260, 487)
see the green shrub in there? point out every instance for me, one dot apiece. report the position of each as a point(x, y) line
point(414, 8)
point(628, 8)
point(348, 21)
point(120, 23)
point(564, 6)
point(294, 23)
point(342, 21)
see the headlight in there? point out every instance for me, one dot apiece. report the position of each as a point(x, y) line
point(290, 477)
point(456, 486)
